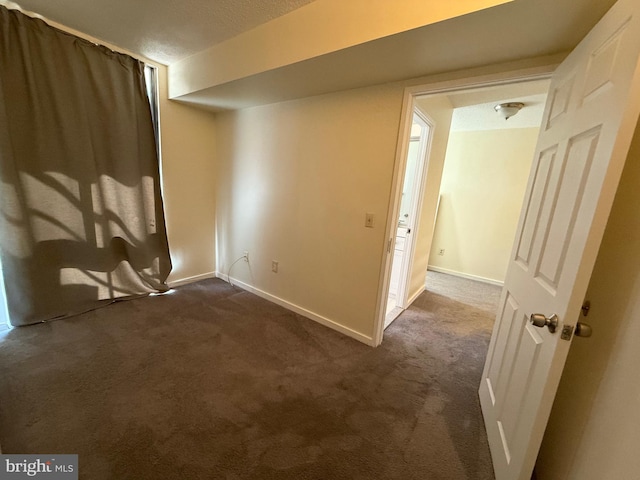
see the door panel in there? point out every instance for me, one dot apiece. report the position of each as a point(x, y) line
point(567, 201)
point(589, 120)
point(538, 208)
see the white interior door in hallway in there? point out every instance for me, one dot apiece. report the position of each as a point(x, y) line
point(409, 205)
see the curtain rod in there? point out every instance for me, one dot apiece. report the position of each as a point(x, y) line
point(9, 5)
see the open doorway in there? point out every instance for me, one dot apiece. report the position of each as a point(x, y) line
point(489, 170)
point(484, 178)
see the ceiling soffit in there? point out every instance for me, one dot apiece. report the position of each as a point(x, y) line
point(493, 36)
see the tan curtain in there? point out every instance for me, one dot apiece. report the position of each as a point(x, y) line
point(81, 218)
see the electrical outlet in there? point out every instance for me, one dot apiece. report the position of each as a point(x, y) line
point(246, 256)
point(274, 266)
point(441, 251)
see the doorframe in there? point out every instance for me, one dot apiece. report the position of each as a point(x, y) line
point(416, 202)
point(402, 147)
point(424, 147)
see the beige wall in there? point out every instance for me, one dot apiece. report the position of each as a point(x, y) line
point(188, 179)
point(593, 431)
point(483, 185)
point(439, 110)
point(294, 183)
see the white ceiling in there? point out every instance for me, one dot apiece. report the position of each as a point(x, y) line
point(167, 30)
point(162, 30)
point(474, 109)
point(484, 117)
point(512, 92)
point(522, 29)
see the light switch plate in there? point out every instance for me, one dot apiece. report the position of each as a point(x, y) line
point(369, 220)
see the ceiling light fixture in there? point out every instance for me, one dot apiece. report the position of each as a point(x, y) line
point(507, 110)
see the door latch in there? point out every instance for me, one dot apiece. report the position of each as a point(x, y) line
point(567, 332)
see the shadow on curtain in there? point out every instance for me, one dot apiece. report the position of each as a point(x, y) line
point(81, 216)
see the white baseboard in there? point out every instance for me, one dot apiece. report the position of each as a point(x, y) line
point(195, 278)
point(300, 310)
point(490, 281)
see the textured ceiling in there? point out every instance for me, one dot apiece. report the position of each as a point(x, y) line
point(163, 30)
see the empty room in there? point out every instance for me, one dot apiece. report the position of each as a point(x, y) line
point(199, 207)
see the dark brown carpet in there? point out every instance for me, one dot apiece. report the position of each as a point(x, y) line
point(211, 382)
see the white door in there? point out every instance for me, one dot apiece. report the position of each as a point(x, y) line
point(410, 202)
point(590, 117)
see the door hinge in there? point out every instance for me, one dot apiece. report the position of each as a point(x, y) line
point(389, 245)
